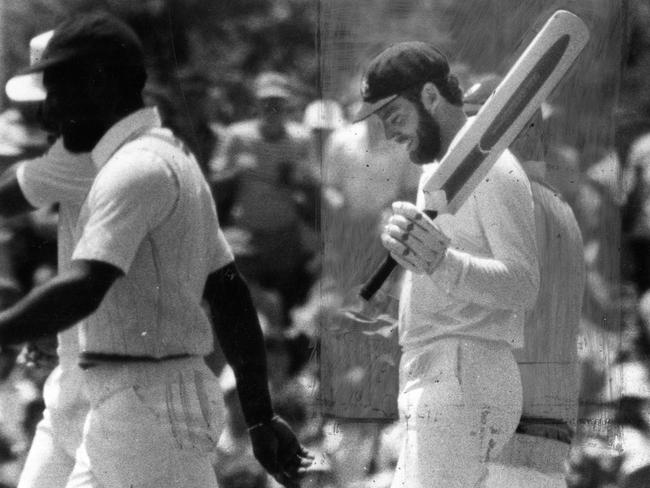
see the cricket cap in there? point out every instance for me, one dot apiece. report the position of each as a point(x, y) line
point(397, 69)
point(29, 87)
point(99, 37)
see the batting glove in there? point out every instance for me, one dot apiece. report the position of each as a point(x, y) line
point(414, 240)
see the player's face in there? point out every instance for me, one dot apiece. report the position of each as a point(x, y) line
point(410, 123)
point(272, 114)
point(71, 108)
point(273, 108)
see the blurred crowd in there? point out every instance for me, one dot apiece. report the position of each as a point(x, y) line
point(301, 193)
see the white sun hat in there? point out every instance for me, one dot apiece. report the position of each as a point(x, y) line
point(29, 87)
point(324, 114)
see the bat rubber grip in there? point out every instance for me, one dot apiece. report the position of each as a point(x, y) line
point(380, 276)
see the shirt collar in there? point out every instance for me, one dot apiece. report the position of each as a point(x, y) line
point(127, 128)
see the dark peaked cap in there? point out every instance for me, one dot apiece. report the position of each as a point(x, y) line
point(398, 68)
point(97, 36)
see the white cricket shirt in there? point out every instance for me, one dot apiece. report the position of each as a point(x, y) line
point(62, 177)
point(489, 276)
point(150, 213)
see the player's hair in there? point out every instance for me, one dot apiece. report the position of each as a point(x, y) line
point(449, 88)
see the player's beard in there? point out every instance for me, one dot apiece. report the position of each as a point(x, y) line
point(428, 136)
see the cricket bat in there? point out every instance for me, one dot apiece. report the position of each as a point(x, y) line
point(482, 139)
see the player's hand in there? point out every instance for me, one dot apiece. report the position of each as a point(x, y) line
point(277, 449)
point(414, 240)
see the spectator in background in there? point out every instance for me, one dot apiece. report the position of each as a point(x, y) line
point(636, 210)
point(323, 117)
point(266, 188)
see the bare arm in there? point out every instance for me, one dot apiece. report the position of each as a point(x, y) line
point(236, 326)
point(238, 330)
point(59, 303)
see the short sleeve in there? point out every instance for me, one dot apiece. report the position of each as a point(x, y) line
point(222, 254)
point(58, 176)
point(131, 195)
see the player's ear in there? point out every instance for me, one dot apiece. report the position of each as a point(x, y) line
point(430, 96)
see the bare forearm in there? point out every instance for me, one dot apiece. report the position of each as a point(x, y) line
point(48, 309)
point(238, 331)
point(59, 303)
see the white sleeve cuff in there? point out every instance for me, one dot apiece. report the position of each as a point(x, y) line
point(448, 275)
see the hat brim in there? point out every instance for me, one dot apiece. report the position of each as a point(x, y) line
point(51, 61)
point(272, 93)
point(367, 109)
point(26, 88)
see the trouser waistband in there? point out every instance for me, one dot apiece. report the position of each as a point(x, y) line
point(105, 378)
point(90, 359)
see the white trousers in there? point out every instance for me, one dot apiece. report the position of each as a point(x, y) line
point(460, 401)
point(51, 456)
point(48, 464)
point(150, 425)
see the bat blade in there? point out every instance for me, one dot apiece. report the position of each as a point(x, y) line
point(482, 139)
point(528, 83)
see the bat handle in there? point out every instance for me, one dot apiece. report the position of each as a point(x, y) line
point(382, 273)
